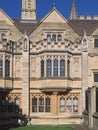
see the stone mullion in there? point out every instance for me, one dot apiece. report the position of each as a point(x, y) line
point(72, 110)
point(11, 67)
point(52, 65)
point(4, 65)
point(66, 66)
point(44, 103)
point(37, 104)
point(45, 70)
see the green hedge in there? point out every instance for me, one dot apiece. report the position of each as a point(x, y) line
point(44, 128)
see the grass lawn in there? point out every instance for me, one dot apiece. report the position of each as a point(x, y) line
point(43, 128)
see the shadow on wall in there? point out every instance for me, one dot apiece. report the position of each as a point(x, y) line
point(10, 113)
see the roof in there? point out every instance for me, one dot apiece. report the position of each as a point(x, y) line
point(80, 25)
point(26, 25)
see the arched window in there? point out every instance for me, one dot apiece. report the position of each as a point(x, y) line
point(17, 104)
point(34, 104)
point(47, 104)
point(10, 104)
point(54, 37)
point(7, 68)
point(1, 67)
point(49, 38)
point(41, 104)
point(42, 68)
point(75, 104)
point(69, 104)
point(68, 68)
point(62, 67)
point(55, 68)
point(3, 36)
point(49, 68)
point(62, 104)
point(59, 37)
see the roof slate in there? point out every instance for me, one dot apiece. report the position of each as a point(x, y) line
point(78, 25)
point(26, 26)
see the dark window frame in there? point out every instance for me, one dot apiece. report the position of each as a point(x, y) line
point(62, 68)
point(41, 104)
point(49, 68)
point(95, 43)
point(55, 68)
point(95, 77)
point(48, 102)
point(7, 68)
point(1, 67)
point(42, 68)
point(34, 104)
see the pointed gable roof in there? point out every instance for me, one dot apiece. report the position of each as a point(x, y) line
point(5, 18)
point(54, 16)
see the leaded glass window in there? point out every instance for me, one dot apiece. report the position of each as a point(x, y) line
point(55, 68)
point(54, 37)
point(47, 104)
point(42, 68)
point(96, 43)
point(17, 104)
point(68, 104)
point(62, 67)
point(62, 104)
point(1, 67)
point(7, 68)
point(41, 104)
point(49, 38)
point(59, 37)
point(75, 104)
point(49, 68)
point(95, 77)
point(34, 104)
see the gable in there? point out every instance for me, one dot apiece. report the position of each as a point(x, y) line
point(54, 17)
point(5, 18)
point(95, 32)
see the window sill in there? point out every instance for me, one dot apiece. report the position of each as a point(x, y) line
point(56, 78)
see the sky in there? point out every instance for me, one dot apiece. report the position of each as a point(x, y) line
point(84, 7)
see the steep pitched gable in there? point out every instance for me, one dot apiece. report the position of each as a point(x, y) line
point(5, 18)
point(54, 16)
point(95, 30)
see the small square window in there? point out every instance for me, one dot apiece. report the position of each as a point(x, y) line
point(95, 77)
point(96, 43)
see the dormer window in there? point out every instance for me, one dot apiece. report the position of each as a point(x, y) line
point(3, 37)
point(96, 43)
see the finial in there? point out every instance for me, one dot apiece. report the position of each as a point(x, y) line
point(73, 2)
point(73, 14)
point(85, 35)
point(54, 5)
point(25, 33)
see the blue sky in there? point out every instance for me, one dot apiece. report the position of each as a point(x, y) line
point(84, 7)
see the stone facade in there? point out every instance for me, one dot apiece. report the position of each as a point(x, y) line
point(47, 65)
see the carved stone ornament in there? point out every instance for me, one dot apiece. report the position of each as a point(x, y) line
point(25, 43)
point(33, 68)
point(85, 42)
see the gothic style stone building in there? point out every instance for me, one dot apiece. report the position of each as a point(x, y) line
point(47, 65)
